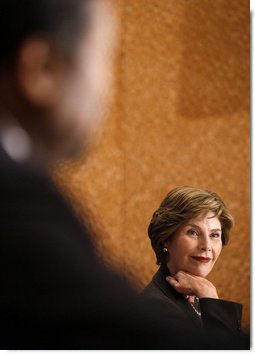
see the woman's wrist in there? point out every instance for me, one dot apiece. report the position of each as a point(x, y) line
point(207, 292)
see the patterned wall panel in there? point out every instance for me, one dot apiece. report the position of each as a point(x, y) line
point(180, 116)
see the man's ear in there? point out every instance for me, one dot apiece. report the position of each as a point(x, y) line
point(39, 73)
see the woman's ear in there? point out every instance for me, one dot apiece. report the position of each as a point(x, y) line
point(40, 73)
point(165, 249)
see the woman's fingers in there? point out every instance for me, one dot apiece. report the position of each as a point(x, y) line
point(188, 284)
point(173, 282)
point(181, 285)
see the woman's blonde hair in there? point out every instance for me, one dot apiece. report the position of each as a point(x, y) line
point(178, 207)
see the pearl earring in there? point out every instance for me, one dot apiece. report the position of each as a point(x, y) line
point(165, 250)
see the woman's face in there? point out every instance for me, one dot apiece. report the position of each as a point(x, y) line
point(196, 246)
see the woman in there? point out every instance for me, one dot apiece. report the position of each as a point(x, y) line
point(187, 233)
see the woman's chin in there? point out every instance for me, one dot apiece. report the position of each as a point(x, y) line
point(201, 272)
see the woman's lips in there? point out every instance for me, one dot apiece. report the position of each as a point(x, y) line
point(202, 259)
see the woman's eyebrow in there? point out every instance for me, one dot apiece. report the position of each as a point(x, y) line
point(192, 225)
point(196, 226)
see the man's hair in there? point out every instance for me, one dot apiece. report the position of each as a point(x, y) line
point(60, 21)
point(178, 207)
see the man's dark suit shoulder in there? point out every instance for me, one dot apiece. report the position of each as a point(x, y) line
point(56, 294)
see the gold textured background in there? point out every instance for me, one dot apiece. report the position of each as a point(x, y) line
point(180, 117)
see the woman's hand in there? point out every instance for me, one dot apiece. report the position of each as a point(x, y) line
point(192, 285)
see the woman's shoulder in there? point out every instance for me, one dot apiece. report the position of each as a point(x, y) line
point(155, 298)
point(158, 288)
point(151, 290)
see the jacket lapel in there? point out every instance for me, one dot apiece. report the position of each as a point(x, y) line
point(160, 280)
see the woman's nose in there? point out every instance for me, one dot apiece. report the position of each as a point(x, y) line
point(206, 244)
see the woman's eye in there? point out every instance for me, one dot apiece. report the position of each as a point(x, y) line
point(215, 235)
point(192, 232)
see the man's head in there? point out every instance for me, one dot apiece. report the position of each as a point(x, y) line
point(55, 60)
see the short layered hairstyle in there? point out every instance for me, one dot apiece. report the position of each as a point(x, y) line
point(178, 207)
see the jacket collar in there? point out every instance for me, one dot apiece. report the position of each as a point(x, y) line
point(160, 280)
